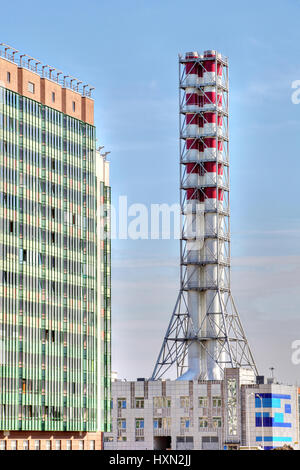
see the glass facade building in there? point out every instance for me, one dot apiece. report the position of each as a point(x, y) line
point(49, 319)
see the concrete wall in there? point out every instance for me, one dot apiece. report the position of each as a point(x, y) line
point(183, 400)
point(235, 412)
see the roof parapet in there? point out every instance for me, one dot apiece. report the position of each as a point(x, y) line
point(44, 70)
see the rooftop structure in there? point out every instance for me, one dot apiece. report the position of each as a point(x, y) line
point(44, 71)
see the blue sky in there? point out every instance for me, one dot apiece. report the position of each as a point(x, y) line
point(128, 50)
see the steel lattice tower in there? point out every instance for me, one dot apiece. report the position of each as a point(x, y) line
point(205, 334)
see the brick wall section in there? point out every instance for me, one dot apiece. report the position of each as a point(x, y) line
point(24, 78)
point(47, 88)
point(71, 100)
point(43, 89)
point(5, 67)
point(87, 110)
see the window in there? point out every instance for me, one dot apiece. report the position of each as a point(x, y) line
point(23, 255)
point(161, 402)
point(11, 226)
point(36, 445)
point(203, 402)
point(73, 106)
point(57, 445)
point(139, 402)
point(53, 97)
point(184, 423)
point(139, 429)
point(217, 422)
point(203, 423)
point(8, 77)
point(2, 445)
point(180, 439)
point(48, 445)
point(122, 424)
point(53, 292)
point(139, 423)
point(162, 423)
point(92, 445)
point(80, 445)
point(216, 402)
point(184, 402)
point(4, 277)
point(25, 445)
point(68, 445)
point(13, 445)
point(122, 403)
point(31, 87)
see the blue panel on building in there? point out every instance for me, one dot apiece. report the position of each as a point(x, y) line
point(274, 439)
point(287, 408)
point(274, 395)
point(278, 417)
point(269, 421)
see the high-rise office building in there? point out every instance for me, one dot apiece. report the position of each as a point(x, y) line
point(54, 327)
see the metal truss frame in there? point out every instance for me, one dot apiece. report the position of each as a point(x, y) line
point(227, 331)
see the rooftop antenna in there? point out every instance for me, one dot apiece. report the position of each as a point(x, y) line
point(104, 155)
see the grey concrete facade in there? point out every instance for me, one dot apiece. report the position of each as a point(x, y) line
point(202, 415)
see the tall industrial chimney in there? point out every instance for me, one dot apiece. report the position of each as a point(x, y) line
point(205, 334)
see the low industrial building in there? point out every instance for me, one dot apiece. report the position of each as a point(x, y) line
point(203, 415)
